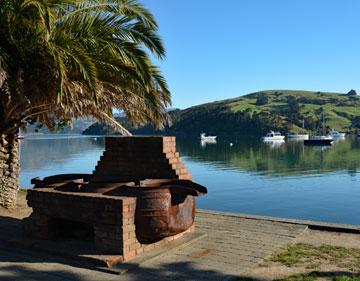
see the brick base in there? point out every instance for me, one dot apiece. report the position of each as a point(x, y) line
point(112, 219)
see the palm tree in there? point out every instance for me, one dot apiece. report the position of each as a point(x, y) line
point(65, 59)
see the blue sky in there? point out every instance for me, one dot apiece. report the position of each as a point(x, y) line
point(223, 49)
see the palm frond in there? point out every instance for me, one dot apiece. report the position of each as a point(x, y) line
point(135, 10)
point(80, 58)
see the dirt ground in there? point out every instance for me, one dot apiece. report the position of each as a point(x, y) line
point(269, 269)
point(318, 238)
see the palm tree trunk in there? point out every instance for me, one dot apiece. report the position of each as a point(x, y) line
point(9, 170)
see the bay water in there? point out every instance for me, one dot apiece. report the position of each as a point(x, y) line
point(247, 176)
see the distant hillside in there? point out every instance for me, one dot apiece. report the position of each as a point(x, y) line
point(77, 127)
point(256, 113)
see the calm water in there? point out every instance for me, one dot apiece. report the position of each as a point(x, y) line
point(249, 177)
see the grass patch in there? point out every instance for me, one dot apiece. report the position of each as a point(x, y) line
point(302, 277)
point(308, 255)
point(302, 255)
point(347, 278)
point(313, 276)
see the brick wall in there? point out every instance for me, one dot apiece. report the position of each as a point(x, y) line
point(112, 218)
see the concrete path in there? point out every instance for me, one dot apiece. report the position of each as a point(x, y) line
point(233, 245)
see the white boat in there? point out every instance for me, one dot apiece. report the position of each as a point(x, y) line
point(273, 136)
point(327, 137)
point(336, 135)
point(20, 136)
point(298, 136)
point(203, 137)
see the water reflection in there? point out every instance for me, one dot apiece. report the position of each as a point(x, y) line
point(276, 159)
point(204, 143)
point(45, 156)
point(274, 144)
point(289, 159)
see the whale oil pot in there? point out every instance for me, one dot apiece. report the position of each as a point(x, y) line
point(165, 208)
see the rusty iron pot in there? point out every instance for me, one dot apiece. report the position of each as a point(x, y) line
point(165, 208)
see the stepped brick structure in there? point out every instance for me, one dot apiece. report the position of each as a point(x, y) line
point(102, 208)
point(138, 158)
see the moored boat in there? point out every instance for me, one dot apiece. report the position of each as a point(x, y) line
point(302, 136)
point(336, 134)
point(20, 136)
point(298, 136)
point(203, 137)
point(319, 140)
point(273, 136)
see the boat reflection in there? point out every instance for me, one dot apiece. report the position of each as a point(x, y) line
point(274, 144)
point(275, 158)
point(204, 143)
point(321, 147)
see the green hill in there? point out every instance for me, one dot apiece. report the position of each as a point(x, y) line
point(256, 113)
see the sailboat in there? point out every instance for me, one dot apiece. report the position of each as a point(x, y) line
point(299, 136)
point(320, 139)
point(20, 136)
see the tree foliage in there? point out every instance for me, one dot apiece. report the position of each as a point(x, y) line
point(352, 93)
point(262, 99)
point(65, 59)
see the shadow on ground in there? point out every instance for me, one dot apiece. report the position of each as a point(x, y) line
point(173, 271)
point(25, 265)
point(10, 228)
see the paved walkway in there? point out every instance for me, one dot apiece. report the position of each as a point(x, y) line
point(232, 245)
